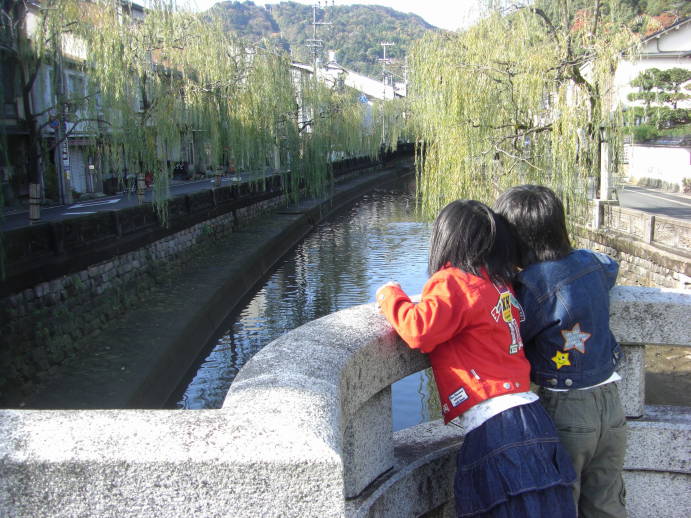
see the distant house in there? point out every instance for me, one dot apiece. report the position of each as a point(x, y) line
point(663, 162)
point(76, 162)
point(73, 164)
point(667, 48)
point(333, 74)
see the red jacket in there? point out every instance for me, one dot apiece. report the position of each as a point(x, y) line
point(470, 329)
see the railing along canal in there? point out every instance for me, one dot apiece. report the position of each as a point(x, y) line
point(672, 233)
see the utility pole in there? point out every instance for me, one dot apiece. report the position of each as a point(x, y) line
point(384, 72)
point(62, 148)
point(315, 43)
point(384, 62)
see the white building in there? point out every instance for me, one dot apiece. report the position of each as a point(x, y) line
point(663, 162)
point(332, 73)
point(665, 49)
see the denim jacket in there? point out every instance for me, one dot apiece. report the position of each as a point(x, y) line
point(566, 331)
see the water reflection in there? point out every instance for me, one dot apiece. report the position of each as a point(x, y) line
point(339, 265)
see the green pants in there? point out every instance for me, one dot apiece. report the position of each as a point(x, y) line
point(592, 427)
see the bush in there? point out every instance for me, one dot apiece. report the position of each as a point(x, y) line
point(661, 117)
point(643, 133)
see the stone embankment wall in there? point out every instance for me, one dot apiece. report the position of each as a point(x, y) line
point(67, 279)
point(42, 325)
point(652, 250)
point(640, 264)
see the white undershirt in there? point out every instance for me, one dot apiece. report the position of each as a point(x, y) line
point(481, 412)
point(487, 409)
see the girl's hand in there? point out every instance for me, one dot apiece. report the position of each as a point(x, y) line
point(380, 296)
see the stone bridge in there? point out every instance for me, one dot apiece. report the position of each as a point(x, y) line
point(306, 431)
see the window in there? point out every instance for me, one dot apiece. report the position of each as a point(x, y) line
point(75, 88)
point(75, 94)
point(8, 88)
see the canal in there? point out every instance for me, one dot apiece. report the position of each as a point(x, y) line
point(337, 266)
point(341, 264)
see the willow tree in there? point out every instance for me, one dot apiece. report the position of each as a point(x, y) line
point(239, 100)
point(333, 123)
point(173, 76)
point(160, 78)
point(523, 96)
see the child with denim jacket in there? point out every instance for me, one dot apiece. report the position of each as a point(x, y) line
point(571, 349)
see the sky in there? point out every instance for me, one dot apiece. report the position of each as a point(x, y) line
point(447, 14)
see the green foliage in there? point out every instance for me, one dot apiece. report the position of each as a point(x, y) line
point(660, 91)
point(355, 31)
point(172, 78)
point(506, 103)
point(661, 86)
point(661, 117)
point(644, 132)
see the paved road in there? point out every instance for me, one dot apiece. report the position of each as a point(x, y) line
point(632, 197)
point(656, 202)
point(118, 202)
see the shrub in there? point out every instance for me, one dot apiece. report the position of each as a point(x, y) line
point(644, 132)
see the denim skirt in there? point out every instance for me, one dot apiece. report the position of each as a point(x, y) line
point(513, 466)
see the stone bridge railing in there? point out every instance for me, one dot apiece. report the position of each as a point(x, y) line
point(672, 233)
point(306, 431)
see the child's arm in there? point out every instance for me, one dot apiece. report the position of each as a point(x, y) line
point(532, 325)
point(434, 320)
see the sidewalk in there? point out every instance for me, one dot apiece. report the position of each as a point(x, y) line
point(175, 185)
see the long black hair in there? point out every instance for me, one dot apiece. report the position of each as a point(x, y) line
point(537, 216)
point(470, 236)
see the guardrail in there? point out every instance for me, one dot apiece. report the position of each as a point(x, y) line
point(649, 228)
point(305, 431)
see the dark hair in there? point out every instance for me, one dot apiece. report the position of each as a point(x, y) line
point(471, 237)
point(537, 216)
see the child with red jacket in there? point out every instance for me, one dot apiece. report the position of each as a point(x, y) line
point(511, 463)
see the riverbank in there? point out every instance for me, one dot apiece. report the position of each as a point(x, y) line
point(138, 359)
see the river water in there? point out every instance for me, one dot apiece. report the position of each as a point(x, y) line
point(337, 266)
point(340, 265)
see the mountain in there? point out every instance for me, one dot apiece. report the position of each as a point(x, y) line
point(353, 31)
point(356, 32)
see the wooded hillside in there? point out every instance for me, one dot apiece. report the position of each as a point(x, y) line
point(356, 31)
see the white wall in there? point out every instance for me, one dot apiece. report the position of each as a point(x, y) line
point(668, 164)
point(664, 53)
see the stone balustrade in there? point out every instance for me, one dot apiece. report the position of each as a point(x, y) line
point(673, 233)
point(306, 431)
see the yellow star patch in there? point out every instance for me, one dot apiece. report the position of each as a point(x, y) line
point(561, 359)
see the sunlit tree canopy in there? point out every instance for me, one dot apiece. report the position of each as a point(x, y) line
point(169, 78)
point(522, 97)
